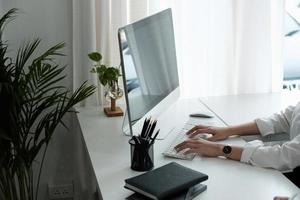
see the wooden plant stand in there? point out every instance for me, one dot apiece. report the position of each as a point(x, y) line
point(113, 110)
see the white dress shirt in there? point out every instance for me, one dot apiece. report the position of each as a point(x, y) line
point(282, 157)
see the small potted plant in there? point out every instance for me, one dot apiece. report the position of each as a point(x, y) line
point(108, 77)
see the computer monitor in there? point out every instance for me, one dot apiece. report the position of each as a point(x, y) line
point(149, 68)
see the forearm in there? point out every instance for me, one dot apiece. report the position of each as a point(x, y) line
point(244, 129)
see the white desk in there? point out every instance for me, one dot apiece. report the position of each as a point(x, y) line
point(110, 156)
point(237, 109)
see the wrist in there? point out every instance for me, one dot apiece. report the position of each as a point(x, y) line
point(229, 131)
point(220, 148)
point(225, 150)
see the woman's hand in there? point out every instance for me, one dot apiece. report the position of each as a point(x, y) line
point(218, 133)
point(202, 147)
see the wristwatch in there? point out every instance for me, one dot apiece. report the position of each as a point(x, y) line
point(227, 150)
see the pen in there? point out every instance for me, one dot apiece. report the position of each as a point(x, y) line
point(146, 121)
point(152, 129)
point(136, 140)
point(153, 139)
point(148, 128)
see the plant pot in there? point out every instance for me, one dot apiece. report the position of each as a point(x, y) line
point(113, 110)
point(113, 93)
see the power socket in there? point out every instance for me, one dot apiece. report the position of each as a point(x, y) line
point(61, 191)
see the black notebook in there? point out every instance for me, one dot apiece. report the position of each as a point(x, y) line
point(165, 181)
point(188, 194)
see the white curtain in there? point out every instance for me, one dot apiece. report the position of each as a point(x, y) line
point(84, 42)
point(229, 46)
point(95, 28)
point(223, 46)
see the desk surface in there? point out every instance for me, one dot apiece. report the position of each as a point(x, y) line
point(110, 156)
point(237, 109)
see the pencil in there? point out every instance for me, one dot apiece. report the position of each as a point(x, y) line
point(152, 129)
point(148, 128)
point(153, 139)
point(146, 122)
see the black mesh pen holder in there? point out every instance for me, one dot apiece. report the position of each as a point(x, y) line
point(141, 154)
point(141, 146)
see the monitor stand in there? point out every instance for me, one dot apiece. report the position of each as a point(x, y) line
point(164, 132)
point(155, 112)
point(126, 128)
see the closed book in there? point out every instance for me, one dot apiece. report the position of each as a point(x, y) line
point(188, 194)
point(165, 181)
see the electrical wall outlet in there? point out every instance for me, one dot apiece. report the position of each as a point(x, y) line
point(61, 191)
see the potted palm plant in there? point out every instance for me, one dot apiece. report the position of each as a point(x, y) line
point(108, 77)
point(32, 103)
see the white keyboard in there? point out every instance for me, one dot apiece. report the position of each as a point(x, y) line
point(180, 137)
point(171, 152)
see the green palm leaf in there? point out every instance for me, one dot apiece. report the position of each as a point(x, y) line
point(7, 17)
point(33, 102)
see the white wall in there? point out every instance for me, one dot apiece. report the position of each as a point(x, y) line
point(50, 21)
point(67, 158)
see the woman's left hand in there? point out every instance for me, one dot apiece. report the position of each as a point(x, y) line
point(201, 146)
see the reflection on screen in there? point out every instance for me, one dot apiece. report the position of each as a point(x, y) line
point(149, 62)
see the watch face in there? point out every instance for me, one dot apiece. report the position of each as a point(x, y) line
point(227, 149)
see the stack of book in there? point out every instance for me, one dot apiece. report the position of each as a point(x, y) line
point(172, 181)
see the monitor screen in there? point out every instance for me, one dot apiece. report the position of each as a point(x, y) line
point(149, 65)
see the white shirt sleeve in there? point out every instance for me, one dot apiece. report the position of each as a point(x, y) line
point(282, 157)
point(277, 123)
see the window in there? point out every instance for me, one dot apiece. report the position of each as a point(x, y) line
point(291, 55)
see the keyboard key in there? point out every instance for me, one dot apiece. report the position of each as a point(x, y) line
point(171, 152)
